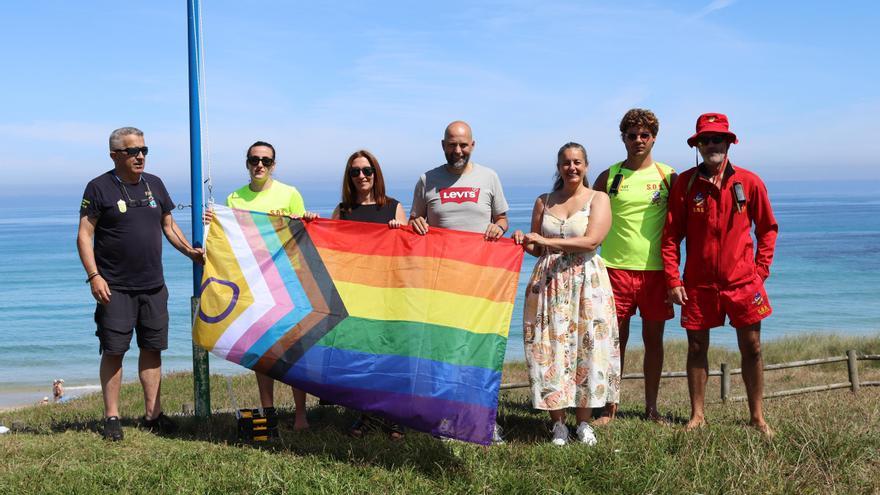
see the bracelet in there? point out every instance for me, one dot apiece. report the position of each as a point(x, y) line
point(91, 276)
point(503, 230)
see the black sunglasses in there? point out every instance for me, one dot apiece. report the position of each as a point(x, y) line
point(138, 203)
point(632, 136)
point(354, 172)
point(133, 151)
point(267, 162)
point(711, 139)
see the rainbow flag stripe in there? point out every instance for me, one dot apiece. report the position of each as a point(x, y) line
point(413, 328)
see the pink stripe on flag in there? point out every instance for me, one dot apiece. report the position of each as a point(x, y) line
point(273, 281)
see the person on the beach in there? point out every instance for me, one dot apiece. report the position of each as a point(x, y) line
point(713, 206)
point(570, 330)
point(265, 194)
point(123, 214)
point(639, 189)
point(364, 200)
point(58, 390)
point(460, 195)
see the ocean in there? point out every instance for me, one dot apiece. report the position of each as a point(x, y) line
point(824, 279)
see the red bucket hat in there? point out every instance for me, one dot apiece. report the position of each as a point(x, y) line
point(715, 123)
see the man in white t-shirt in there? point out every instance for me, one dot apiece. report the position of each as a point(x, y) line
point(459, 194)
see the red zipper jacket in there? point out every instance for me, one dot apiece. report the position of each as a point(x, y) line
point(720, 251)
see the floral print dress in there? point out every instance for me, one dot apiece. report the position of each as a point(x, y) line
point(570, 329)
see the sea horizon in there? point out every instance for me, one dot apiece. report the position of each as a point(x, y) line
point(824, 272)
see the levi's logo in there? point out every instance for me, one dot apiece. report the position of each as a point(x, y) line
point(459, 194)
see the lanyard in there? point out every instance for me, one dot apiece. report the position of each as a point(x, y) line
point(130, 201)
point(662, 177)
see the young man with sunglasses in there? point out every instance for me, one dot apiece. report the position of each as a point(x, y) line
point(714, 206)
point(265, 194)
point(123, 214)
point(639, 190)
point(460, 195)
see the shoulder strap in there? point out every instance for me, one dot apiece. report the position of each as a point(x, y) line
point(662, 177)
point(589, 201)
point(544, 211)
point(593, 195)
point(691, 183)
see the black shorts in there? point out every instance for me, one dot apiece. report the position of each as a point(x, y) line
point(144, 310)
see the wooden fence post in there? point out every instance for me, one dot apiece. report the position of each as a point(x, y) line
point(725, 382)
point(852, 366)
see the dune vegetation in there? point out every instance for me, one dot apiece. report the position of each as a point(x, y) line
point(826, 442)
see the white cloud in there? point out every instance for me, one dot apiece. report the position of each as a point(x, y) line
point(715, 5)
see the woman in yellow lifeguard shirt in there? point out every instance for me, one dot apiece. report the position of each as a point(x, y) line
point(265, 194)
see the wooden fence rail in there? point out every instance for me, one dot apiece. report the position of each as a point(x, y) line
point(851, 359)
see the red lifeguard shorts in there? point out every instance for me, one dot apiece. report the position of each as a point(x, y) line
point(645, 290)
point(744, 304)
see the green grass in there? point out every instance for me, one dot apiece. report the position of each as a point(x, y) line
point(826, 443)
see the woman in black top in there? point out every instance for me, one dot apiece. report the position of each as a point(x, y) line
point(363, 193)
point(364, 200)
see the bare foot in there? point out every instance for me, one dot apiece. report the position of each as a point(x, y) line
point(300, 424)
point(695, 424)
point(653, 415)
point(601, 421)
point(608, 414)
point(764, 428)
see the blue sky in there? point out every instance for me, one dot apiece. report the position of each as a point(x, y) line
point(321, 79)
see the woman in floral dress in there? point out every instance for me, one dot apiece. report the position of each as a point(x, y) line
point(569, 324)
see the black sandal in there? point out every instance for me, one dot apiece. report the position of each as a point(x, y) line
point(360, 427)
point(395, 431)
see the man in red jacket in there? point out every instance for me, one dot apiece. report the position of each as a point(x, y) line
point(713, 206)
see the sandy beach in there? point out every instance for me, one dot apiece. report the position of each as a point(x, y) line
point(24, 397)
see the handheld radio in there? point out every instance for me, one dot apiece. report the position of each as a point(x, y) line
point(615, 184)
point(739, 195)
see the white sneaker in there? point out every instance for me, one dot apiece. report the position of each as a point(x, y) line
point(585, 434)
point(560, 434)
point(497, 439)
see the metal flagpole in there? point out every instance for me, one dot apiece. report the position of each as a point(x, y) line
point(201, 376)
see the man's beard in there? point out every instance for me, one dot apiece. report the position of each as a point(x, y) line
point(715, 159)
point(458, 164)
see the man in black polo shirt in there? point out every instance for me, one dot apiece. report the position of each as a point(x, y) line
point(123, 214)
